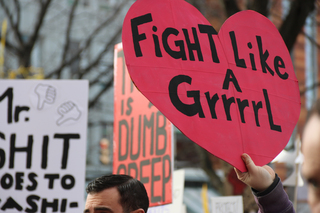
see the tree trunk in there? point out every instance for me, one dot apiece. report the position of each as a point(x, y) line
point(294, 22)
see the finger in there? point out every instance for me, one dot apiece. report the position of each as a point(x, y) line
point(248, 162)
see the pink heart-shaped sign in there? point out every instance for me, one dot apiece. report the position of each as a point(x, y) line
point(231, 93)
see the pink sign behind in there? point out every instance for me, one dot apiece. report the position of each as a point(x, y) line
point(230, 92)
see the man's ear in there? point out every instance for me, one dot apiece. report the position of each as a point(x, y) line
point(138, 211)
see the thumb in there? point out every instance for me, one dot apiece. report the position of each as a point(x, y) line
point(61, 120)
point(248, 162)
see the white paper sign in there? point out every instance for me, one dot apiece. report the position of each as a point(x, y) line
point(227, 204)
point(42, 145)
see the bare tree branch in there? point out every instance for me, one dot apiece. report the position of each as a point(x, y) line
point(97, 79)
point(110, 44)
point(88, 40)
point(96, 98)
point(68, 30)
point(295, 20)
point(40, 18)
point(110, 18)
point(311, 39)
point(17, 4)
point(13, 25)
point(12, 48)
point(66, 63)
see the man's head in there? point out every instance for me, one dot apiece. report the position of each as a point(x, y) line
point(311, 152)
point(116, 194)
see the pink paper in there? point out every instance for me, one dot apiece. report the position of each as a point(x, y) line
point(231, 93)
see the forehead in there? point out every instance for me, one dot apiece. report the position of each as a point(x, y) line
point(106, 199)
point(311, 145)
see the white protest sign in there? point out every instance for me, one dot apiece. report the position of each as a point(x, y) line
point(42, 145)
point(227, 204)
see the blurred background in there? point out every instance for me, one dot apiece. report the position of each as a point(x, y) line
point(74, 39)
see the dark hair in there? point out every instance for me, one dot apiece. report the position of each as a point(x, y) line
point(133, 194)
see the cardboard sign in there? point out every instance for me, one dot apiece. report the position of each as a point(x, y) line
point(142, 137)
point(42, 145)
point(227, 204)
point(234, 92)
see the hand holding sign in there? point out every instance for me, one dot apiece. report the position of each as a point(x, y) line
point(234, 92)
